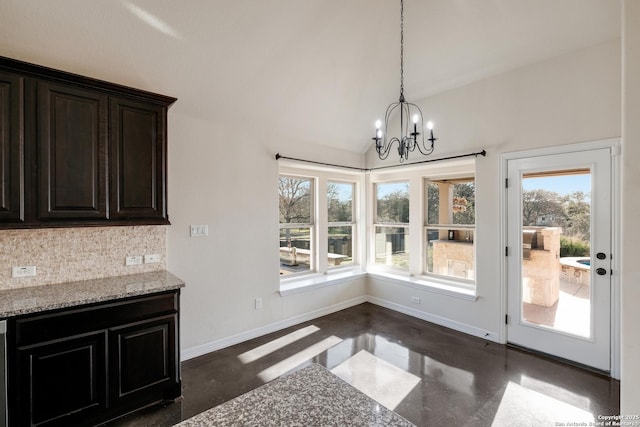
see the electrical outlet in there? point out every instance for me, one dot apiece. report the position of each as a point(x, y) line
point(25, 271)
point(415, 300)
point(152, 259)
point(133, 260)
point(258, 303)
point(199, 230)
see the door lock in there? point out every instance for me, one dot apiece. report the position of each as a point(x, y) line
point(601, 255)
point(601, 271)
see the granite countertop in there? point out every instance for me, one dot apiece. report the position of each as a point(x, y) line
point(312, 396)
point(33, 299)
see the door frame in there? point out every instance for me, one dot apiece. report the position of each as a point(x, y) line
point(614, 145)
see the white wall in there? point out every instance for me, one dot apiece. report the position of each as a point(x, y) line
point(569, 99)
point(227, 178)
point(630, 277)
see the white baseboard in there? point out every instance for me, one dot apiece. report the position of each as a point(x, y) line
point(199, 350)
point(292, 321)
point(438, 320)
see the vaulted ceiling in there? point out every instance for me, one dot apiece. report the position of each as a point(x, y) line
point(312, 70)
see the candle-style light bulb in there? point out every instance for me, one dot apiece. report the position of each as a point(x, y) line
point(415, 118)
point(379, 133)
point(430, 125)
point(378, 124)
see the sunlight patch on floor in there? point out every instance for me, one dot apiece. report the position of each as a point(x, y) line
point(521, 406)
point(291, 362)
point(377, 378)
point(277, 344)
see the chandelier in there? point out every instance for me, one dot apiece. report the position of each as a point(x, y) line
point(407, 141)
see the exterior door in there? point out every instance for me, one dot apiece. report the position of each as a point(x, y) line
point(559, 255)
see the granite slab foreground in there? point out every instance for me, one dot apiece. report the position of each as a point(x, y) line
point(312, 396)
point(15, 302)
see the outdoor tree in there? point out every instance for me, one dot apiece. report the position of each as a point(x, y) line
point(294, 200)
point(394, 207)
point(340, 209)
point(538, 203)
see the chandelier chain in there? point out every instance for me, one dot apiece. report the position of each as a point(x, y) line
point(401, 48)
point(411, 137)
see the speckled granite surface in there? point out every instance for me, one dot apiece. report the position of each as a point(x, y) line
point(34, 299)
point(311, 396)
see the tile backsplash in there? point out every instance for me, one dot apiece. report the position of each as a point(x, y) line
point(71, 254)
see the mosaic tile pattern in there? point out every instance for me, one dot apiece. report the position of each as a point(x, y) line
point(71, 254)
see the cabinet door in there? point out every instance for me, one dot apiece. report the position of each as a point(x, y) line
point(144, 362)
point(61, 382)
point(11, 147)
point(138, 160)
point(71, 152)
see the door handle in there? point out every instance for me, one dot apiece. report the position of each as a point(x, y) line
point(601, 271)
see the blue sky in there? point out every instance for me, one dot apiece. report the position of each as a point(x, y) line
point(563, 184)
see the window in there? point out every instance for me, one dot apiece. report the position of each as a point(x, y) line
point(341, 224)
point(450, 228)
point(318, 223)
point(392, 225)
point(296, 224)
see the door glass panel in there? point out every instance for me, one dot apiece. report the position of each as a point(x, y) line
point(556, 257)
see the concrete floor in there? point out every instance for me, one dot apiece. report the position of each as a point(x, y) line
point(426, 373)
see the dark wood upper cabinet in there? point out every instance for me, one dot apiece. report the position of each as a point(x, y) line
point(72, 152)
point(76, 151)
point(11, 147)
point(138, 160)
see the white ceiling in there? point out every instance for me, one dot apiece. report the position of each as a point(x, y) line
point(317, 71)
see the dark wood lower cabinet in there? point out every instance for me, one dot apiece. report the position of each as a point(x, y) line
point(89, 364)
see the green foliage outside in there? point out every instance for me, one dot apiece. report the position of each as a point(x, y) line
point(573, 247)
point(571, 212)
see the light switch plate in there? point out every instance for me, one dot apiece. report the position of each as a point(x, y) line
point(201, 230)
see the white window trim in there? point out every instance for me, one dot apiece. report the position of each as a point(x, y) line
point(364, 214)
point(322, 275)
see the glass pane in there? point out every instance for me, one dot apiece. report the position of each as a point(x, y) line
point(295, 250)
point(556, 223)
point(295, 200)
point(392, 203)
point(340, 202)
point(451, 203)
point(392, 246)
point(451, 253)
point(340, 246)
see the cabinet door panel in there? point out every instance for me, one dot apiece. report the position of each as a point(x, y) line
point(72, 144)
point(138, 160)
point(147, 377)
point(11, 147)
point(65, 381)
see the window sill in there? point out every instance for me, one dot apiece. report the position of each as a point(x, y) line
point(309, 282)
point(428, 284)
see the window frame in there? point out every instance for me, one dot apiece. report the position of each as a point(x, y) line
point(353, 224)
point(448, 228)
point(322, 272)
point(310, 225)
point(382, 224)
point(417, 275)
